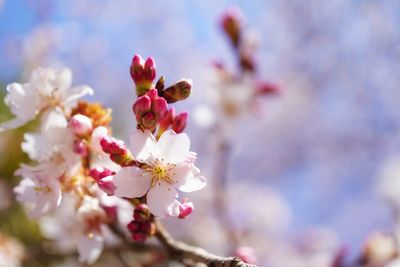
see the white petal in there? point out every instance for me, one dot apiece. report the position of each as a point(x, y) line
point(12, 124)
point(77, 92)
point(63, 79)
point(143, 145)
point(131, 182)
point(23, 102)
point(160, 197)
point(98, 134)
point(173, 209)
point(193, 181)
point(174, 148)
point(90, 248)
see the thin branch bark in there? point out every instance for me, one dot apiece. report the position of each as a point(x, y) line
point(190, 255)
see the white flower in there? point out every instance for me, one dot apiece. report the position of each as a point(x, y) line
point(38, 189)
point(47, 88)
point(90, 248)
point(53, 144)
point(90, 216)
point(168, 167)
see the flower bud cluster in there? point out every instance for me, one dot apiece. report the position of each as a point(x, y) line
point(151, 107)
point(235, 99)
point(142, 226)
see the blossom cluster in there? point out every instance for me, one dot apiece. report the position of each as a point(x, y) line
point(82, 181)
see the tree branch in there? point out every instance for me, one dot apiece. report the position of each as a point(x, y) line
point(190, 255)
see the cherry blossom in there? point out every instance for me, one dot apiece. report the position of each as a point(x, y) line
point(168, 167)
point(38, 189)
point(47, 88)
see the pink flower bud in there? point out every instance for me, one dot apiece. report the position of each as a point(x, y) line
point(137, 68)
point(179, 91)
point(139, 237)
point(180, 122)
point(167, 119)
point(232, 22)
point(106, 184)
point(185, 209)
point(111, 145)
point(160, 107)
point(143, 73)
point(100, 172)
point(246, 254)
point(267, 88)
point(141, 105)
point(133, 226)
point(150, 69)
point(80, 124)
point(81, 148)
point(141, 213)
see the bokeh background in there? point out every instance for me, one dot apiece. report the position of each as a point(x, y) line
point(306, 169)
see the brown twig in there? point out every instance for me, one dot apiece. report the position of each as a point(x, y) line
point(191, 255)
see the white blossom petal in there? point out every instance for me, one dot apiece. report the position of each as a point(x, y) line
point(160, 197)
point(90, 248)
point(143, 145)
point(174, 148)
point(131, 182)
point(77, 92)
point(193, 181)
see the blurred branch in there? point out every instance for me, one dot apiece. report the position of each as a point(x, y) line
point(190, 255)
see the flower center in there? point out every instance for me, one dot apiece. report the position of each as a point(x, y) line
point(160, 172)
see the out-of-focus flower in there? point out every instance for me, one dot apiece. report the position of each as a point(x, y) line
point(389, 181)
point(11, 251)
point(47, 89)
point(379, 249)
point(168, 167)
point(39, 189)
point(232, 22)
point(53, 145)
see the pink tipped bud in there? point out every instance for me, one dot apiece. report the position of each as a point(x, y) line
point(167, 119)
point(107, 185)
point(267, 88)
point(143, 73)
point(113, 146)
point(231, 23)
point(141, 213)
point(246, 254)
point(137, 68)
point(150, 69)
point(80, 124)
point(160, 107)
point(139, 237)
point(185, 209)
point(81, 148)
point(180, 122)
point(100, 172)
point(179, 91)
point(133, 226)
point(141, 105)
